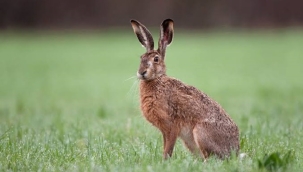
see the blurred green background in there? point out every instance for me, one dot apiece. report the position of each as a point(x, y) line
point(69, 97)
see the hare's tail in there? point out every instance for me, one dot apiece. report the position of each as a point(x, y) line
point(242, 156)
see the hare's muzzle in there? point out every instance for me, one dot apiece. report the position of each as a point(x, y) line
point(141, 74)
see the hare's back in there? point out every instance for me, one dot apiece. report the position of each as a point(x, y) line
point(193, 102)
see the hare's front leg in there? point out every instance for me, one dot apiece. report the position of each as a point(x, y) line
point(169, 140)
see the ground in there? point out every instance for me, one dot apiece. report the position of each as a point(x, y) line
point(69, 101)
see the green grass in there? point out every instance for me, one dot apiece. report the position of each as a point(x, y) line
point(67, 103)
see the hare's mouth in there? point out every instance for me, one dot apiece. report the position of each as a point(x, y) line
point(143, 78)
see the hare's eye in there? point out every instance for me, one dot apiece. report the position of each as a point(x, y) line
point(156, 59)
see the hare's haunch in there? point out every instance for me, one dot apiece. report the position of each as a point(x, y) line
point(177, 109)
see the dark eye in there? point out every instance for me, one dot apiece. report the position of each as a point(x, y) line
point(156, 59)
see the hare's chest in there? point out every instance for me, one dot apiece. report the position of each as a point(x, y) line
point(154, 110)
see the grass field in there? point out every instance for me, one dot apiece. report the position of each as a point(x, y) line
point(68, 102)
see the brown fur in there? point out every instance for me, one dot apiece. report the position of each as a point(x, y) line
point(180, 110)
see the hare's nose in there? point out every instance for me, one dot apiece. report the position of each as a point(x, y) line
point(143, 73)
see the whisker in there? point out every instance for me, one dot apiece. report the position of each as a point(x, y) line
point(130, 78)
point(133, 92)
point(132, 88)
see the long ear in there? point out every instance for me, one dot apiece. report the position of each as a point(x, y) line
point(143, 34)
point(166, 35)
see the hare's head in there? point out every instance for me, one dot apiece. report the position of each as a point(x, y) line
point(152, 62)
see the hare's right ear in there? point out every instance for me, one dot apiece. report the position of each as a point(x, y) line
point(166, 35)
point(143, 34)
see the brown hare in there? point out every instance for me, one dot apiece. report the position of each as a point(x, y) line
point(177, 109)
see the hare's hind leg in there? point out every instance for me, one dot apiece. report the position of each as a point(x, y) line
point(191, 145)
point(203, 141)
point(187, 136)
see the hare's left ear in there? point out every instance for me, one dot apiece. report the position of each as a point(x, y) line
point(143, 35)
point(166, 35)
